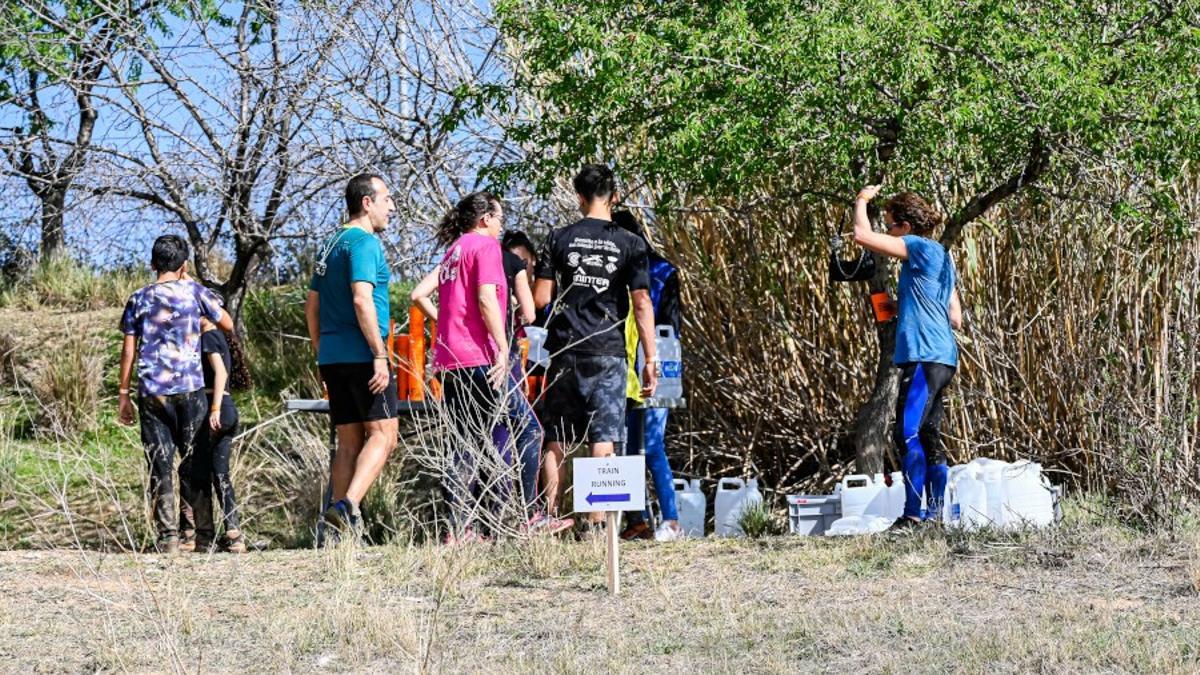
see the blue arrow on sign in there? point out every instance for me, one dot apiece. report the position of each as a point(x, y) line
point(593, 498)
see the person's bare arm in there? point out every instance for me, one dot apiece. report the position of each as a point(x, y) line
point(643, 316)
point(220, 377)
point(368, 323)
point(312, 317)
point(124, 402)
point(869, 239)
point(424, 291)
point(489, 309)
point(955, 310)
point(225, 322)
point(543, 292)
point(525, 298)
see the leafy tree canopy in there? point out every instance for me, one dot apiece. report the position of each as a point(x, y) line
point(721, 97)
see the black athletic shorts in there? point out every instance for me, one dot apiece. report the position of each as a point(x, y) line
point(585, 399)
point(350, 400)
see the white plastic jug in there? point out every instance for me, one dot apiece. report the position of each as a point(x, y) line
point(725, 508)
point(691, 503)
point(896, 496)
point(750, 497)
point(537, 346)
point(670, 363)
point(993, 481)
point(970, 494)
point(862, 496)
point(1029, 499)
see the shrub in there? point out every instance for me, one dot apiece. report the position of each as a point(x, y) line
point(757, 521)
point(68, 388)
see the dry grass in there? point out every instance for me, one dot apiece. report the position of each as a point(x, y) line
point(1086, 598)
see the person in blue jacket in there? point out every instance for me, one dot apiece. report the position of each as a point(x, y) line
point(926, 353)
point(647, 427)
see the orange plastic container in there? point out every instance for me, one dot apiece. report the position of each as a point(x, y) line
point(883, 306)
point(403, 369)
point(416, 354)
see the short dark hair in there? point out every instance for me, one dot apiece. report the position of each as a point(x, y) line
point(516, 239)
point(909, 207)
point(362, 185)
point(595, 181)
point(169, 253)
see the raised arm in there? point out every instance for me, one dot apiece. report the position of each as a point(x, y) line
point(424, 291)
point(225, 322)
point(864, 236)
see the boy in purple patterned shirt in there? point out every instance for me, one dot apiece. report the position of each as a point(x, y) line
point(164, 317)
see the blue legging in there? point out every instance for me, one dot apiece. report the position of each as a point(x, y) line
point(651, 425)
point(918, 437)
point(522, 424)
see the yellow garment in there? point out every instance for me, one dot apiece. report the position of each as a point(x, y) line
point(633, 383)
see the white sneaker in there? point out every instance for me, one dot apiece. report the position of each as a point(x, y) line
point(668, 531)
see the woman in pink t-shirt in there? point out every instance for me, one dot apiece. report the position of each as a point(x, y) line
point(471, 350)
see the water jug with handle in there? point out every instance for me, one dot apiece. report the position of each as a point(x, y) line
point(691, 503)
point(670, 363)
point(726, 513)
point(1029, 499)
point(896, 497)
point(971, 501)
point(862, 496)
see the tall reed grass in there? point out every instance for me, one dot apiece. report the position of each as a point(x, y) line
point(1078, 350)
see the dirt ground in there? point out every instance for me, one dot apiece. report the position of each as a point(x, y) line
point(1070, 601)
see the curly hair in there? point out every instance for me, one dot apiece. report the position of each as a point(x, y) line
point(909, 207)
point(239, 378)
point(462, 218)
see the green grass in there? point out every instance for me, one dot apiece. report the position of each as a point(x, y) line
point(68, 284)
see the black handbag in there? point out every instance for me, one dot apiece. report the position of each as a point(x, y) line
point(862, 269)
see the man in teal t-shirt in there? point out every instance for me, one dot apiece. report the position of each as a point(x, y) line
point(348, 316)
point(926, 353)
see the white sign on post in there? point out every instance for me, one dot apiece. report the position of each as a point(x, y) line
point(610, 484)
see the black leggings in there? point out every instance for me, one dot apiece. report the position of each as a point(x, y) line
point(169, 426)
point(207, 470)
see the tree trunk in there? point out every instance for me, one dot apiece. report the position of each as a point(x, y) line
point(872, 424)
point(235, 301)
point(54, 242)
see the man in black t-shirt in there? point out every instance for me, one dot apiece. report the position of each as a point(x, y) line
point(595, 267)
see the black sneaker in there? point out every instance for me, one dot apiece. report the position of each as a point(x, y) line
point(344, 518)
point(168, 545)
point(904, 524)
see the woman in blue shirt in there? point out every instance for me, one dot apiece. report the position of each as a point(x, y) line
point(926, 352)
